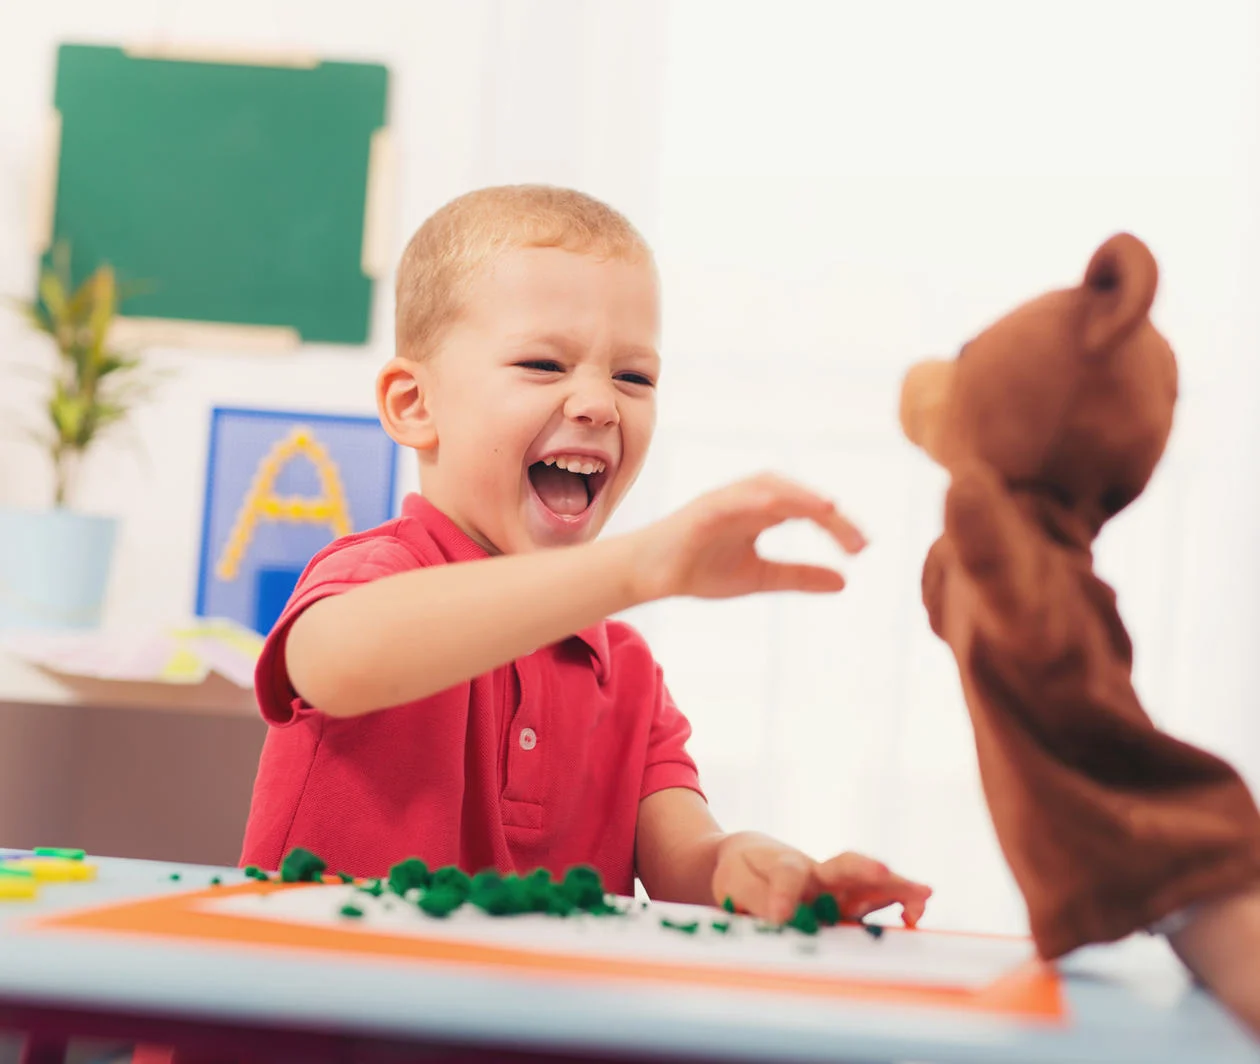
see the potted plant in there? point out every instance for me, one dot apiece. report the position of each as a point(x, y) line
point(55, 562)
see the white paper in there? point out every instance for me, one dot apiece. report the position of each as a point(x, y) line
point(184, 654)
point(912, 959)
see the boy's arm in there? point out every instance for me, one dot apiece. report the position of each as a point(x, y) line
point(676, 847)
point(406, 636)
point(411, 635)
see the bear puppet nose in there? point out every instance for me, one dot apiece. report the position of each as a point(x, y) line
point(924, 391)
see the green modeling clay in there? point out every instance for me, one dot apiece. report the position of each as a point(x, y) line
point(721, 926)
point(441, 900)
point(374, 887)
point(215, 881)
point(254, 872)
point(804, 920)
point(345, 877)
point(301, 866)
point(874, 930)
point(582, 886)
point(826, 910)
point(411, 874)
point(59, 851)
point(175, 877)
point(539, 891)
point(498, 896)
point(728, 905)
point(686, 929)
point(452, 878)
point(352, 911)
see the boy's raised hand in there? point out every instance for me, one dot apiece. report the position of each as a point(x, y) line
point(708, 549)
point(769, 879)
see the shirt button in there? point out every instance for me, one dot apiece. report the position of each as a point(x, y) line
point(528, 739)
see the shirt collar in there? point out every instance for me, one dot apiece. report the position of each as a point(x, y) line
point(455, 545)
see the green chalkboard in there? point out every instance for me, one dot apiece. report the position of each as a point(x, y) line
point(237, 192)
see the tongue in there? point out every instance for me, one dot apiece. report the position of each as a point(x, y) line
point(562, 492)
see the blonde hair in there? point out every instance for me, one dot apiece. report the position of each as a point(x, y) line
point(461, 237)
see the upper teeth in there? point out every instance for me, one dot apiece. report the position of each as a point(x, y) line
point(575, 463)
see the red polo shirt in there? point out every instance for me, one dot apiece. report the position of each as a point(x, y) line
point(540, 763)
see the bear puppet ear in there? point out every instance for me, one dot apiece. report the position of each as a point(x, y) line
point(1118, 291)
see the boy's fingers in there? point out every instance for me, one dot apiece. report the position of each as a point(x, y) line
point(786, 576)
point(912, 910)
point(912, 898)
point(749, 892)
point(784, 499)
point(788, 878)
point(851, 870)
point(843, 531)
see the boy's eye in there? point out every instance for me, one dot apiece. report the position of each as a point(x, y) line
point(545, 365)
point(636, 378)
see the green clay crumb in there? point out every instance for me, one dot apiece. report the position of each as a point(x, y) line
point(804, 920)
point(582, 886)
point(721, 926)
point(345, 877)
point(827, 910)
point(301, 866)
point(59, 851)
point(687, 929)
point(352, 911)
point(441, 901)
point(729, 905)
point(254, 872)
point(374, 887)
point(502, 895)
point(539, 889)
point(874, 930)
point(215, 881)
point(453, 879)
point(411, 874)
point(175, 877)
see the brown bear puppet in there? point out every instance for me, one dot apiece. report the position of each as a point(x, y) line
point(1049, 423)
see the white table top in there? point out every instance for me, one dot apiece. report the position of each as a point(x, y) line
point(1128, 1003)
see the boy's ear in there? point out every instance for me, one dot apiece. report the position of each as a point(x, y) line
point(1119, 288)
point(401, 402)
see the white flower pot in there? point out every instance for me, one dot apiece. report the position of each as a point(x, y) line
point(54, 567)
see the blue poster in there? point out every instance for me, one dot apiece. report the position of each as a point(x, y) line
point(280, 486)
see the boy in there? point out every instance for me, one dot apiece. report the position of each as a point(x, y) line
point(486, 713)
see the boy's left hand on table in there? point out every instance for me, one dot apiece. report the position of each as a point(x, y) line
point(769, 879)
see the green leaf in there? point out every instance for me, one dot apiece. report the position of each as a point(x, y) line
point(67, 413)
point(111, 362)
point(104, 305)
point(53, 293)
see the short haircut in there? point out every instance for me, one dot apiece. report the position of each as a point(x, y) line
point(467, 233)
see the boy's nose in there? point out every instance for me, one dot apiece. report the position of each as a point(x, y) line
point(593, 404)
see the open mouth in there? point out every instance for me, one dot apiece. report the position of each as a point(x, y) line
point(567, 485)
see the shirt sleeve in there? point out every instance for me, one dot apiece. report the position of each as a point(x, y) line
point(668, 763)
point(337, 569)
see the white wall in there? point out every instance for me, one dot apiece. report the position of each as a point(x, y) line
point(847, 187)
point(835, 189)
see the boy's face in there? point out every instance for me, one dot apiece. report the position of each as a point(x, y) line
point(553, 362)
